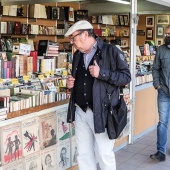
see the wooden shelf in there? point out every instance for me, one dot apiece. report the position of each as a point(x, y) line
point(36, 109)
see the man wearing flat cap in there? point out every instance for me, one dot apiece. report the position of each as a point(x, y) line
point(96, 67)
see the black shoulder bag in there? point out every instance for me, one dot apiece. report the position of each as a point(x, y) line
point(117, 116)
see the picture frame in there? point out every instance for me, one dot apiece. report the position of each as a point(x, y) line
point(149, 33)
point(160, 31)
point(140, 32)
point(121, 20)
point(150, 21)
point(125, 32)
point(126, 20)
point(159, 42)
point(162, 19)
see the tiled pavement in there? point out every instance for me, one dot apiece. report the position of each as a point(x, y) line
point(136, 156)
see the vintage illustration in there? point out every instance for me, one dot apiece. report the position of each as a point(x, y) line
point(11, 142)
point(63, 127)
point(30, 136)
point(49, 158)
point(63, 154)
point(48, 130)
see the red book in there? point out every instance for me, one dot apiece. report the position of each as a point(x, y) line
point(34, 54)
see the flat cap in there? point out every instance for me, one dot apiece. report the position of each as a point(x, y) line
point(80, 25)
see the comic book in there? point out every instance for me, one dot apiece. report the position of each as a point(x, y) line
point(62, 126)
point(49, 158)
point(33, 161)
point(16, 165)
point(11, 143)
point(74, 152)
point(48, 129)
point(30, 135)
point(63, 154)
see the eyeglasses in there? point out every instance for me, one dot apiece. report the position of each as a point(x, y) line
point(72, 38)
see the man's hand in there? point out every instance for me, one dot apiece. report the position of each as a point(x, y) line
point(70, 82)
point(94, 69)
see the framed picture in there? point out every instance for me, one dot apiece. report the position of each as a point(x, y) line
point(115, 19)
point(140, 32)
point(125, 32)
point(159, 42)
point(162, 19)
point(150, 21)
point(121, 20)
point(159, 31)
point(149, 33)
point(126, 19)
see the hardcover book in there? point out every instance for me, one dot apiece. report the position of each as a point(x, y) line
point(49, 158)
point(11, 143)
point(48, 129)
point(33, 162)
point(17, 28)
point(30, 136)
point(54, 11)
point(10, 27)
point(63, 155)
point(3, 27)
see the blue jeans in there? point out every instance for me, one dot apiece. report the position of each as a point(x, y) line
point(162, 128)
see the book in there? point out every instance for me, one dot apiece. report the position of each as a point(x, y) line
point(34, 55)
point(33, 162)
point(3, 27)
point(12, 10)
point(62, 126)
point(54, 12)
point(48, 130)
point(16, 165)
point(49, 158)
point(30, 136)
point(11, 148)
point(74, 152)
point(63, 154)
point(10, 27)
point(17, 28)
point(5, 10)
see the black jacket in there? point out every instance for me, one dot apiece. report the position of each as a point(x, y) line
point(114, 72)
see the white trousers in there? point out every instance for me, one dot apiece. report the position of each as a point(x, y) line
point(91, 146)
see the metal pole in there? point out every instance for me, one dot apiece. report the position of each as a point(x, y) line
point(133, 26)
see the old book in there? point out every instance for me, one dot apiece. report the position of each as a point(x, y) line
point(74, 152)
point(5, 10)
point(3, 27)
point(12, 10)
point(30, 136)
point(16, 165)
point(54, 12)
point(10, 27)
point(63, 155)
point(49, 158)
point(48, 130)
point(11, 148)
point(49, 12)
point(62, 127)
point(17, 28)
point(33, 161)
point(34, 29)
point(71, 14)
point(24, 29)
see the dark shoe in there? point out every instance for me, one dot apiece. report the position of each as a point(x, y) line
point(158, 156)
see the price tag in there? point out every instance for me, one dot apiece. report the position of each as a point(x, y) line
point(1, 81)
point(47, 73)
point(25, 77)
point(40, 76)
point(14, 81)
point(52, 72)
point(65, 72)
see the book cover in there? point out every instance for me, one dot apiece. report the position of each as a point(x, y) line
point(24, 29)
point(10, 27)
point(63, 127)
point(49, 158)
point(74, 152)
point(54, 12)
point(3, 27)
point(17, 28)
point(16, 165)
point(34, 55)
point(30, 136)
point(33, 162)
point(11, 143)
point(48, 129)
point(63, 155)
